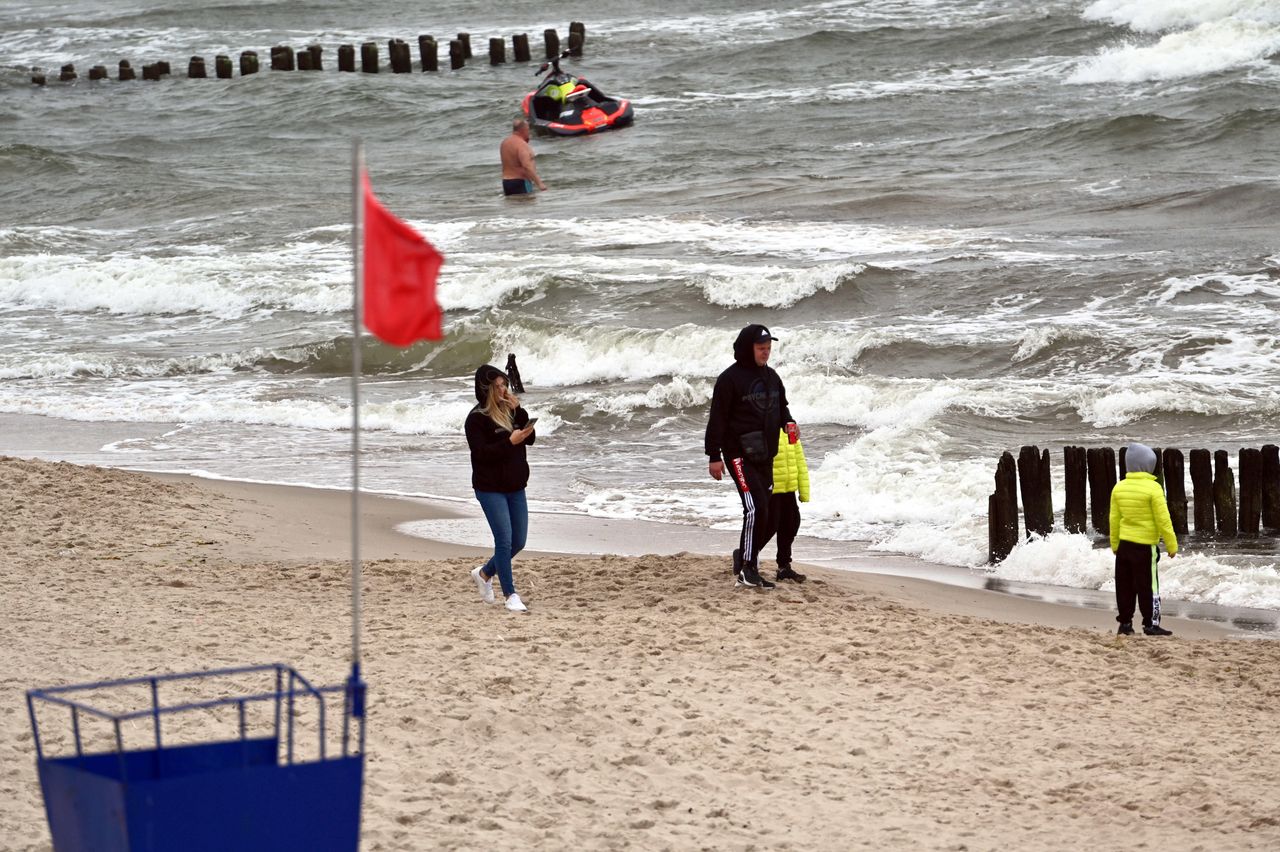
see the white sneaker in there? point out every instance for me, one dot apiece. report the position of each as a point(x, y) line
point(485, 586)
point(515, 604)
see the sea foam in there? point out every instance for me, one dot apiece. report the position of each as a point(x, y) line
point(1196, 37)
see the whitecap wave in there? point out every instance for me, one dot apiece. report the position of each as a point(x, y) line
point(1196, 38)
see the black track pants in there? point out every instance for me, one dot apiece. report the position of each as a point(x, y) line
point(784, 521)
point(1138, 579)
point(754, 487)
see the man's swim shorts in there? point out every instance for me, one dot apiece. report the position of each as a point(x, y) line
point(516, 186)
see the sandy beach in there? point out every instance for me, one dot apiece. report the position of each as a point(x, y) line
point(642, 703)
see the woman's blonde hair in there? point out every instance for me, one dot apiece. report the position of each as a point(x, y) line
point(498, 409)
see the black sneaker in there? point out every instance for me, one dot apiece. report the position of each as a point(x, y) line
point(749, 576)
point(1156, 630)
point(785, 572)
point(1126, 629)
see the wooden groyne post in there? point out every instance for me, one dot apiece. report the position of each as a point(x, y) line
point(369, 57)
point(429, 53)
point(1175, 490)
point(520, 47)
point(1250, 491)
point(1075, 467)
point(1271, 487)
point(577, 38)
point(552, 40)
point(282, 58)
point(311, 58)
point(1220, 510)
point(401, 61)
point(1037, 499)
point(1202, 492)
point(1002, 509)
point(1101, 462)
point(1224, 494)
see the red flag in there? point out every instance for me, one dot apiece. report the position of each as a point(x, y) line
point(400, 269)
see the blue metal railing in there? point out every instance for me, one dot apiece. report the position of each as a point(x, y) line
point(283, 694)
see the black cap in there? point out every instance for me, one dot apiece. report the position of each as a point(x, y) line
point(763, 335)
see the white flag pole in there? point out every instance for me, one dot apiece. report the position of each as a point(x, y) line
point(357, 229)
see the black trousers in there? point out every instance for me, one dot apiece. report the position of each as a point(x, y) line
point(784, 521)
point(754, 488)
point(1138, 580)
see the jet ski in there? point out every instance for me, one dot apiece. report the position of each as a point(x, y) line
point(565, 105)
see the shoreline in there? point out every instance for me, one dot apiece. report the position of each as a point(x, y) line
point(402, 526)
point(903, 579)
point(453, 523)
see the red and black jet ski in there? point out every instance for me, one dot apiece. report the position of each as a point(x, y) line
point(565, 105)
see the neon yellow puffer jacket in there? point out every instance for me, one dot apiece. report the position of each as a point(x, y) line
point(790, 473)
point(1139, 512)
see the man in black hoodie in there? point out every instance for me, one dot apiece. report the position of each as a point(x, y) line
point(748, 408)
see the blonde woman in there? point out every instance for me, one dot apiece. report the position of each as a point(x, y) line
point(498, 430)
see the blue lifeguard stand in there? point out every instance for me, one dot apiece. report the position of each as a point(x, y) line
point(253, 790)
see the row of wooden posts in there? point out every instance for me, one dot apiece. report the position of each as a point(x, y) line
point(1217, 511)
point(310, 58)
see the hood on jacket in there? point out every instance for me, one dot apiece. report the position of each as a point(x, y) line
point(744, 346)
point(1140, 457)
point(484, 377)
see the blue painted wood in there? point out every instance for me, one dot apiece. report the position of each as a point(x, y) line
point(211, 796)
point(243, 794)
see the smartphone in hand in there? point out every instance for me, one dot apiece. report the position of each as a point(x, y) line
point(529, 425)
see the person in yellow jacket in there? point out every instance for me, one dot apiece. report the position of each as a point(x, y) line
point(790, 480)
point(1139, 519)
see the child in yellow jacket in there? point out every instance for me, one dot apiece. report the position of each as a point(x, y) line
point(1139, 519)
point(790, 479)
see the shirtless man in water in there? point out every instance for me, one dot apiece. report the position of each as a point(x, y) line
point(519, 175)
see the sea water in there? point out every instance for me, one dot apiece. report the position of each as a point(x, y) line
point(971, 225)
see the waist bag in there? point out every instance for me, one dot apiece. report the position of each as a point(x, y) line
point(753, 448)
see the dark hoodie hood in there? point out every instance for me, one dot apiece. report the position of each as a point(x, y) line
point(743, 347)
point(484, 377)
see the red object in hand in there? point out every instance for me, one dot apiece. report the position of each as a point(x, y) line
point(793, 433)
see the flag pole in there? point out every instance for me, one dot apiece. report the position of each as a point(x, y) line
point(355, 687)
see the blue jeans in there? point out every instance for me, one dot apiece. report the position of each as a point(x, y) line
point(508, 517)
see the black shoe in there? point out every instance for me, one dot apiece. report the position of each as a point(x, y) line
point(786, 573)
point(749, 576)
point(737, 561)
point(1126, 629)
point(1156, 630)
